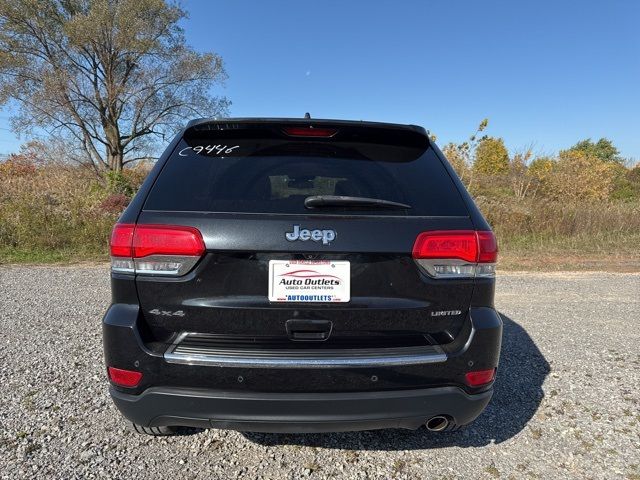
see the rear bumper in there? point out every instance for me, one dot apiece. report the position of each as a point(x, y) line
point(257, 397)
point(299, 412)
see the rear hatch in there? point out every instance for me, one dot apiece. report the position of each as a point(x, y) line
point(283, 271)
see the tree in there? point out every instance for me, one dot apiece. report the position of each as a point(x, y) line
point(112, 76)
point(540, 169)
point(578, 176)
point(626, 183)
point(491, 157)
point(459, 155)
point(603, 149)
point(521, 182)
point(458, 161)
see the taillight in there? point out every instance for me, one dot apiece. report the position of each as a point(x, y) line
point(121, 240)
point(310, 131)
point(460, 244)
point(155, 249)
point(121, 246)
point(480, 377)
point(456, 253)
point(124, 378)
point(487, 247)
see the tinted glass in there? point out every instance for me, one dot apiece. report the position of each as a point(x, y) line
point(275, 175)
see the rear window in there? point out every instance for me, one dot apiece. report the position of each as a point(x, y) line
point(260, 169)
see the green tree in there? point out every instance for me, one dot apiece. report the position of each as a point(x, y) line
point(603, 149)
point(491, 157)
point(109, 76)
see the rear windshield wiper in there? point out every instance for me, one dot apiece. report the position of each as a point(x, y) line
point(316, 201)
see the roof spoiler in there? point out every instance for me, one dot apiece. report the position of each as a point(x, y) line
point(304, 128)
point(212, 123)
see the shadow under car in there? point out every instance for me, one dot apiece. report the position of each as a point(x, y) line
point(517, 396)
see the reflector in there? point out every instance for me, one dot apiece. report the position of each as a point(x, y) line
point(124, 378)
point(480, 377)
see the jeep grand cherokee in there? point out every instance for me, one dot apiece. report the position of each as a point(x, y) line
point(299, 275)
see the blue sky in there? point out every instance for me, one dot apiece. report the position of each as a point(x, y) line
point(547, 73)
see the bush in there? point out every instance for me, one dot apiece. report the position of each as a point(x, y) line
point(578, 176)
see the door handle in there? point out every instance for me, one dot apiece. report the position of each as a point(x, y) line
point(309, 330)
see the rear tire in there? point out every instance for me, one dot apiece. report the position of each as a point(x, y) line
point(162, 431)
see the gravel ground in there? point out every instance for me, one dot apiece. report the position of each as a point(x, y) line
point(566, 404)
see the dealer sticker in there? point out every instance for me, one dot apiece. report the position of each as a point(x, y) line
point(324, 281)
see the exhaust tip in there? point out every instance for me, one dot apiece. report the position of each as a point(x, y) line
point(437, 423)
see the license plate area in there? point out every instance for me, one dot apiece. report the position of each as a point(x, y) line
point(309, 281)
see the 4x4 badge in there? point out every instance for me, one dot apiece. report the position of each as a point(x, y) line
point(327, 236)
point(167, 313)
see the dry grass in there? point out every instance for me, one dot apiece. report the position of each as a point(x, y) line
point(542, 219)
point(55, 212)
point(543, 235)
point(58, 213)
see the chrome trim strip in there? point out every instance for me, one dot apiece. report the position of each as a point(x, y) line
point(284, 361)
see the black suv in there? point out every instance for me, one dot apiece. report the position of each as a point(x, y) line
point(299, 275)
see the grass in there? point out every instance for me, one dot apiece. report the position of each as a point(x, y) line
point(58, 213)
point(493, 471)
point(613, 252)
point(62, 214)
point(10, 255)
